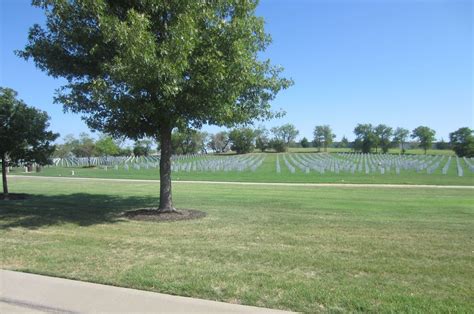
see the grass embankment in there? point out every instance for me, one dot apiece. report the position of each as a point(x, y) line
point(267, 173)
point(298, 248)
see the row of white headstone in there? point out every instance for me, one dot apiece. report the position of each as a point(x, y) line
point(370, 163)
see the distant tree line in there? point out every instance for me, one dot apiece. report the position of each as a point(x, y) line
point(87, 147)
point(368, 139)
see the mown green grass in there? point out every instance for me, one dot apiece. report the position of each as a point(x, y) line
point(267, 173)
point(298, 248)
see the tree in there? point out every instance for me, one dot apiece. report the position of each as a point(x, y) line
point(344, 142)
point(142, 68)
point(462, 141)
point(142, 147)
point(219, 142)
point(24, 137)
point(106, 146)
point(65, 150)
point(323, 136)
point(84, 147)
point(425, 136)
point(188, 141)
point(442, 145)
point(243, 140)
point(365, 137)
point(383, 134)
point(262, 141)
point(125, 151)
point(318, 137)
point(286, 133)
point(304, 142)
point(278, 145)
point(400, 136)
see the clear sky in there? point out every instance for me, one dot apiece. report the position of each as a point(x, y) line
point(399, 62)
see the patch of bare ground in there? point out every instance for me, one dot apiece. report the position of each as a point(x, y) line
point(151, 214)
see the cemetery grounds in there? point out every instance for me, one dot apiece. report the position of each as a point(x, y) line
point(300, 248)
point(294, 167)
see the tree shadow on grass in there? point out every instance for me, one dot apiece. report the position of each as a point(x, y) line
point(80, 208)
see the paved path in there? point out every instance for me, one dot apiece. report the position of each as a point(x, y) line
point(22, 292)
point(350, 185)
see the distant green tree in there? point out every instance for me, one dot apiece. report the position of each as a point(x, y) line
point(383, 136)
point(462, 142)
point(425, 136)
point(84, 147)
point(365, 137)
point(262, 142)
point(243, 140)
point(106, 146)
point(323, 136)
point(442, 144)
point(278, 145)
point(287, 133)
point(344, 142)
point(400, 136)
point(219, 142)
point(23, 134)
point(304, 142)
point(142, 147)
point(125, 151)
point(188, 141)
point(64, 150)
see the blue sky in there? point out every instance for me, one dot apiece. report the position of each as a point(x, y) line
point(399, 62)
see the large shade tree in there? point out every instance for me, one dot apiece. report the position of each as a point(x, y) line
point(24, 135)
point(141, 68)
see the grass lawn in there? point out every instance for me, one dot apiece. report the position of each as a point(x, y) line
point(298, 248)
point(267, 173)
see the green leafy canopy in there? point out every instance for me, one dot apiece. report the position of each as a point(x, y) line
point(23, 131)
point(135, 67)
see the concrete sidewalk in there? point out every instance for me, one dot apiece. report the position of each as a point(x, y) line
point(28, 293)
point(338, 185)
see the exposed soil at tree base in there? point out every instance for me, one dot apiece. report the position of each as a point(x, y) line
point(152, 214)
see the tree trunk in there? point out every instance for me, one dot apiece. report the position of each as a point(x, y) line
point(4, 176)
point(166, 202)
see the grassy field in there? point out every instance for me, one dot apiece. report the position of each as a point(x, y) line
point(298, 248)
point(267, 173)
